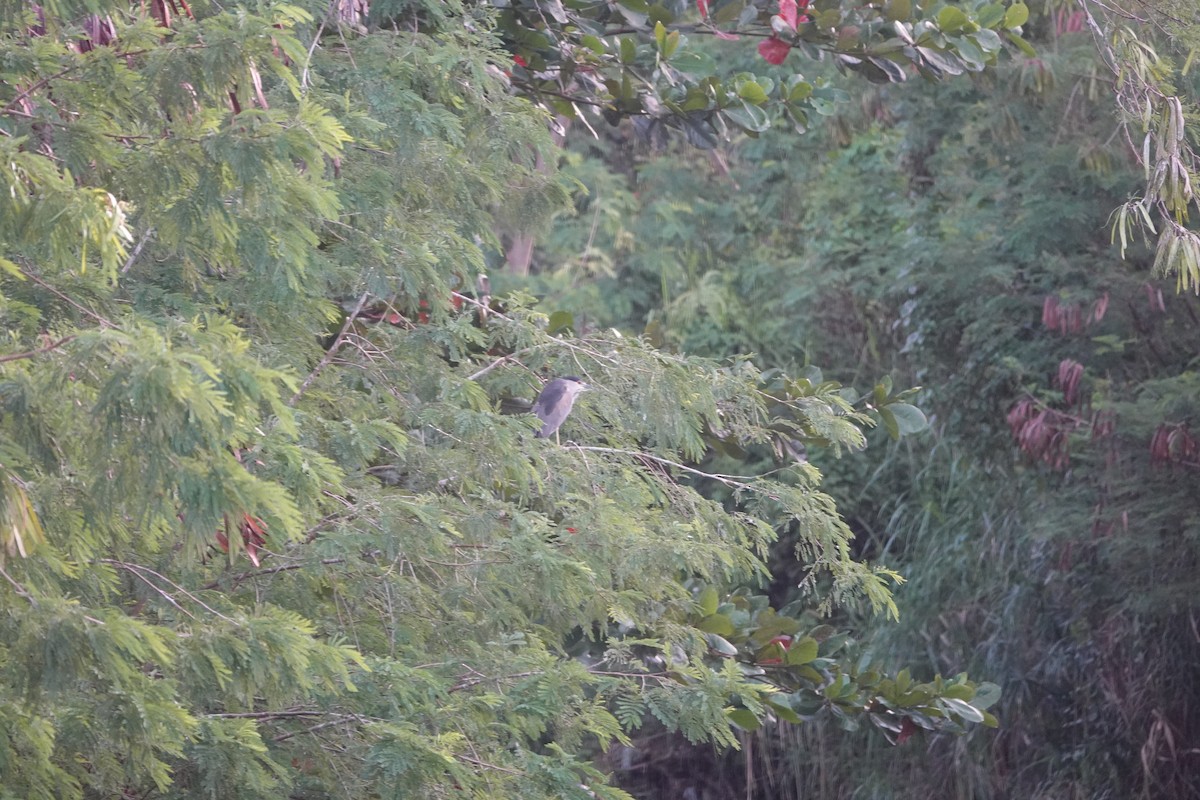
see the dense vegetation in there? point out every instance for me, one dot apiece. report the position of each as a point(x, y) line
point(274, 522)
point(955, 236)
point(274, 519)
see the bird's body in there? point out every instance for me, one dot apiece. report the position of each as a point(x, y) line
point(555, 402)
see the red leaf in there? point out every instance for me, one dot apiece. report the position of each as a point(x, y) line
point(703, 6)
point(790, 14)
point(520, 62)
point(774, 50)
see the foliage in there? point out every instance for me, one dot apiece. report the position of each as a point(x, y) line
point(632, 57)
point(266, 531)
point(954, 236)
point(1156, 98)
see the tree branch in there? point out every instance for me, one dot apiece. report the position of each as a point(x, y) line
point(237, 579)
point(38, 351)
point(84, 309)
point(735, 481)
point(333, 348)
point(136, 570)
point(18, 588)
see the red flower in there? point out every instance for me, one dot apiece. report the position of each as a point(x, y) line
point(774, 50)
point(520, 62)
point(789, 12)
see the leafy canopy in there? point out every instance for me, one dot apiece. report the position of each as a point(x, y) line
point(265, 527)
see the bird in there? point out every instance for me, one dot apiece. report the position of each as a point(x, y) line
point(554, 403)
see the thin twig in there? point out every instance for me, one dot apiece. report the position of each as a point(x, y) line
point(503, 359)
point(314, 728)
point(486, 765)
point(311, 48)
point(18, 588)
point(237, 579)
point(736, 481)
point(137, 569)
point(39, 351)
point(84, 309)
point(467, 683)
point(137, 250)
point(267, 715)
point(333, 348)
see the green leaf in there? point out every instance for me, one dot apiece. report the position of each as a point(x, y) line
point(783, 712)
point(897, 10)
point(560, 321)
point(691, 62)
point(798, 89)
point(889, 422)
point(1016, 16)
point(728, 13)
point(959, 691)
point(990, 15)
point(716, 623)
point(752, 92)
point(943, 62)
point(744, 719)
point(883, 390)
point(909, 419)
point(802, 652)
point(593, 43)
point(1022, 45)
point(951, 19)
point(988, 40)
point(986, 696)
point(672, 44)
point(748, 117)
point(708, 601)
point(966, 711)
point(11, 268)
point(660, 35)
point(628, 50)
point(720, 645)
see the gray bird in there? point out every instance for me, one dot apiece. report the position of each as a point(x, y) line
point(554, 403)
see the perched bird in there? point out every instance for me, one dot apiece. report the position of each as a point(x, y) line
point(554, 403)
